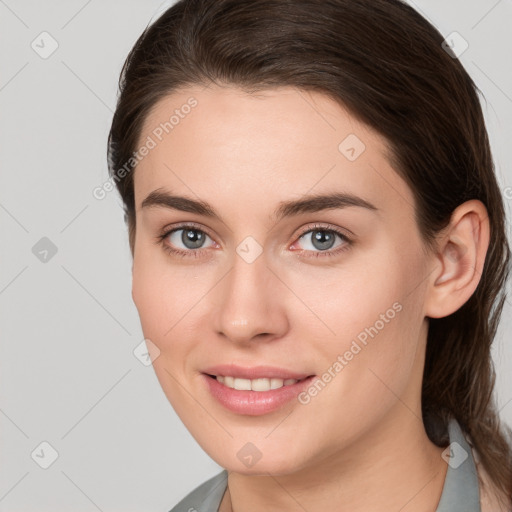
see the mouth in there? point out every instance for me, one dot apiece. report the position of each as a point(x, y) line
point(254, 391)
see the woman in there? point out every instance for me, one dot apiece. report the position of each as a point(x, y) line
point(319, 253)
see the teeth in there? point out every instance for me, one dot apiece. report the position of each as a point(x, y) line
point(263, 384)
point(242, 384)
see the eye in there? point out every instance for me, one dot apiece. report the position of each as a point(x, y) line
point(189, 241)
point(320, 241)
point(184, 240)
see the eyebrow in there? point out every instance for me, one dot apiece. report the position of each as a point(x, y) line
point(308, 204)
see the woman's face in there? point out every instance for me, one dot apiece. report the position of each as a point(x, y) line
point(263, 286)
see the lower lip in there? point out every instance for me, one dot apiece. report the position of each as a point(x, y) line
point(254, 403)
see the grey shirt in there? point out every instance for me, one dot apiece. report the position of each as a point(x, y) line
point(460, 491)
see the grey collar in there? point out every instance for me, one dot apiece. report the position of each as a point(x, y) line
point(460, 490)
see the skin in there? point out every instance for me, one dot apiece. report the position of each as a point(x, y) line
point(244, 153)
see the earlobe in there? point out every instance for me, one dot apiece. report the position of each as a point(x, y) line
point(461, 255)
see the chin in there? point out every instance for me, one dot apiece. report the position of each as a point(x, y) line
point(249, 460)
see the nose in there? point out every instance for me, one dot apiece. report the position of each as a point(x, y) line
point(250, 305)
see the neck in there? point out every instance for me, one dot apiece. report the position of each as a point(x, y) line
point(391, 467)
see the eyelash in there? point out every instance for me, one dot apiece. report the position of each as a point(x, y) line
point(315, 227)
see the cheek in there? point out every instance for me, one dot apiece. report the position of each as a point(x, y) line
point(159, 304)
point(167, 306)
point(370, 302)
point(154, 298)
point(377, 336)
point(354, 300)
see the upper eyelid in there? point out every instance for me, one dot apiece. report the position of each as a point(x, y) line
point(327, 227)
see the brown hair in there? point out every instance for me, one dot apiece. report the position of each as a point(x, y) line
point(385, 63)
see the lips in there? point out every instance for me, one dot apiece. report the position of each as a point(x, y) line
point(254, 401)
point(254, 372)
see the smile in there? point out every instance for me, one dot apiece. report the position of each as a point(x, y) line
point(257, 396)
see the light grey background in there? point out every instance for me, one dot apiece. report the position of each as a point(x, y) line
point(68, 326)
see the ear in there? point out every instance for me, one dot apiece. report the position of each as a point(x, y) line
point(459, 260)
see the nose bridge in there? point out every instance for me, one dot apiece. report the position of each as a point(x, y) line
point(249, 302)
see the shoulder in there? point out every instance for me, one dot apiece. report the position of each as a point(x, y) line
point(206, 497)
point(491, 499)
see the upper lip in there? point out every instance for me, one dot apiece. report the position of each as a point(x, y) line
point(254, 372)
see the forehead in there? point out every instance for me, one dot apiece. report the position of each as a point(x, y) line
point(283, 140)
point(292, 114)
